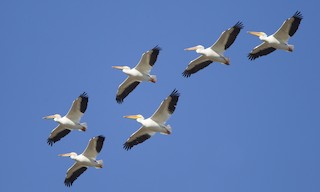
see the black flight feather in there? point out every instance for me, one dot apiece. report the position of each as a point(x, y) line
point(141, 139)
point(295, 24)
point(56, 138)
point(69, 181)
point(174, 100)
point(253, 56)
point(100, 143)
point(125, 93)
point(84, 102)
point(154, 55)
point(236, 30)
point(196, 68)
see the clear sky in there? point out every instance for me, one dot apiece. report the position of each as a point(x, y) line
point(252, 126)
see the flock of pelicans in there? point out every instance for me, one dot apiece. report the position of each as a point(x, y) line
point(140, 73)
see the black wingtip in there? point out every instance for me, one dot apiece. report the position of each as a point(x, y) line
point(251, 57)
point(119, 100)
point(126, 146)
point(298, 15)
point(101, 137)
point(84, 102)
point(50, 142)
point(157, 48)
point(100, 142)
point(174, 100)
point(67, 183)
point(186, 74)
point(126, 92)
point(239, 25)
point(84, 95)
point(175, 93)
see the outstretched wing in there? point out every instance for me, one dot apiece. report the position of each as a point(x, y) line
point(227, 38)
point(94, 147)
point(57, 133)
point(126, 87)
point(196, 65)
point(289, 27)
point(138, 137)
point(260, 50)
point(73, 173)
point(79, 106)
point(147, 60)
point(166, 108)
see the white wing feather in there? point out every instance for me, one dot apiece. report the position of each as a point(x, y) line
point(219, 45)
point(74, 112)
point(283, 32)
point(90, 150)
point(143, 65)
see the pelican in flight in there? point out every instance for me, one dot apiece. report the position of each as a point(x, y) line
point(69, 122)
point(84, 160)
point(213, 53)
point(278, 40)
point(155, 123)
point(141, 72)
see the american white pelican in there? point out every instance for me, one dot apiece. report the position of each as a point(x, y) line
point(84, 160)
point(141, 72)
point(278, 40)
point(155, 123)
point(213, 53)
point(70, 121)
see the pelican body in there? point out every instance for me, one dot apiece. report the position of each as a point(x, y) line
point(278, 40)
point(151, 124)
point(210, 54)
point(155, 123)
point(213, 53)
point(140, 73)
point(65, 121)
point(71, 121)
point(139, 76)
point(84, 160)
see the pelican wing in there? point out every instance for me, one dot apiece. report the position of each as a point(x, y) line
point(79, 106)
point(94, 147)
point(126, 87)
point(289, 27)
point(57, 133)
point(227, 38)
point(196, 65)
point(73, 173)
point(260, 50)
point(166, 108)
point(138, 137)
point(147, 60)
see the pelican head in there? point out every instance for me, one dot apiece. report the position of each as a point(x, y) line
point(121, 67)
point(71, 155)
point(55, 116)
point(134, 116)
point(195, 48)
point(258, 34)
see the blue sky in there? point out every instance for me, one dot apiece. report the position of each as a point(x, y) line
point(251, 126)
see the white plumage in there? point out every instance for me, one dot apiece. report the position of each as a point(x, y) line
point(213, 53)
point(84, 160)
point(71, 121)
point(155, 123)
point(141, 72)
point(278, 40)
